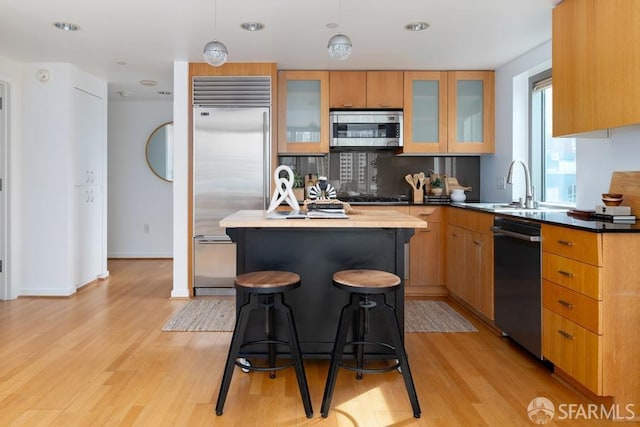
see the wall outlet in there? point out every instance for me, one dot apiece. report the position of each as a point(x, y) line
point(502, 183)
point(146, 229)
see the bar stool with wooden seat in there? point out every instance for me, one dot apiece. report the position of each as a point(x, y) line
point(367, 290)
point(265, 289)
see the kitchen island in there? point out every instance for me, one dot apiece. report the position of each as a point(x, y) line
point(315, 249)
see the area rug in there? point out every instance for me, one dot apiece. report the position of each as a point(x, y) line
point(218, 315)
point(434, 316)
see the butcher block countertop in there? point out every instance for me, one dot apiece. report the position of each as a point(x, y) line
point(359, 219)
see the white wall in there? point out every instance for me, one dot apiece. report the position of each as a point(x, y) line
point(512, 112)
point(136, 195)
point(596, 159)
point(46, 176)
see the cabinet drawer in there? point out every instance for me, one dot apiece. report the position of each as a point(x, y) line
point(574, 349)
point(572, 274)
point(471, 220)
point(575, 244)
point(426, 213)
point(576, 307)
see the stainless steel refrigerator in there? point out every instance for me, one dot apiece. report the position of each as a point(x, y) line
point(230, 172)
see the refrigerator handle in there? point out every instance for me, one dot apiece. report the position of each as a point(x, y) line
point(266, 160)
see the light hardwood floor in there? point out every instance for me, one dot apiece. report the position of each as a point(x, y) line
point(100, 358)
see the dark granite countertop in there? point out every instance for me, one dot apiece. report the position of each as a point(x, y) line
point(557, 217)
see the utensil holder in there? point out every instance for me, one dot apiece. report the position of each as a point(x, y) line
point(418, 196)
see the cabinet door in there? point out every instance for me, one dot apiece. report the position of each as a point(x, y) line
point(425, 112)
point(426, 261)
point(88, 234)
point(481, 273)
point(471, 112)
point(616, 58)
point(457, 272)
point(87, 138)
point(573, 67)
point(303, 112)
point(347, 89)
point(384, 89)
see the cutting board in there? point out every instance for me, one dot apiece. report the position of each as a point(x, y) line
point(628, 184)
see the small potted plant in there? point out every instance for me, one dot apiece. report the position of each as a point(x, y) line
point(298, 186)
point(436, 187)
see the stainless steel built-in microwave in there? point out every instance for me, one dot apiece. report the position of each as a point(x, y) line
point(362, 129)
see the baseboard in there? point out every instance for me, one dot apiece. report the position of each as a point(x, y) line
point(127, 255)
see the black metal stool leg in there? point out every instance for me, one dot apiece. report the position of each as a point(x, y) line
point(296, 353)
point(346, 316)
point(268, 301)
point(401, 354)
point(361, 329)
point(234, 350)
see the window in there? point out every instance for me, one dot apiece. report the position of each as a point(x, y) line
point(553, 160)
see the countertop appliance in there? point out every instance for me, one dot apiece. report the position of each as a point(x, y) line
point(371, 129)
point(231, 146)
point(517, 282)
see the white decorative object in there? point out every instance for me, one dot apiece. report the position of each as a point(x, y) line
point(284, 190)
point(457, 195)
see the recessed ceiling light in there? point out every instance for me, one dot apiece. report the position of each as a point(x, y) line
point(66, 26)
point(123, 93)
point(148, 82)
point(164, 92)
point(252, 26)
point(416, 26)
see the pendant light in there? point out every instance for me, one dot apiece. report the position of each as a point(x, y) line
point(215, 52)
point(339, 45)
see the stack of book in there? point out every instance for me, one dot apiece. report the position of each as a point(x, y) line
point(326, 210)
point(614, 214)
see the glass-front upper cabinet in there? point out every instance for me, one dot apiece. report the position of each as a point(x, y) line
point(425, 112)
point(303, 112)
point(471, 114)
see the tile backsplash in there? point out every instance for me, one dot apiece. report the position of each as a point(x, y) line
point(381, 173)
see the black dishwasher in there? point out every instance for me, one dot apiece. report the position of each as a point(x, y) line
point(517, 282)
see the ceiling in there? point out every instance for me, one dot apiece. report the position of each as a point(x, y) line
point(125, 41)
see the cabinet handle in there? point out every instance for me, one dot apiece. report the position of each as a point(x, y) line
point(425, 213)
point(477, 242)
point(565, 303)
point(566, 273)
point(385, 105)
point(347, 105)
point(565, 334)
point(565, 242)
point(454, 235)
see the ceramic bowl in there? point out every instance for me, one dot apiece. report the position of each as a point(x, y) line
point(611, 199)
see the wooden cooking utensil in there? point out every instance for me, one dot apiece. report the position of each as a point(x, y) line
point(409, 179)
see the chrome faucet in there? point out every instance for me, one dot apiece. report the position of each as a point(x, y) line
point(527, 179)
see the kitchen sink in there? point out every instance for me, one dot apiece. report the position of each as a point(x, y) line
point(504, 207)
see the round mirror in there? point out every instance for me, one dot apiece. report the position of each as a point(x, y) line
point(159, 151)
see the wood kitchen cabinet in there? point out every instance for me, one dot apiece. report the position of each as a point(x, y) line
point(366, 89)
point(449, 112)
point(425, 273)
point(591, 304)
point(596, 63)
point(303, 112)
point(425, 112)
point(426, 253)
point(469, 263)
